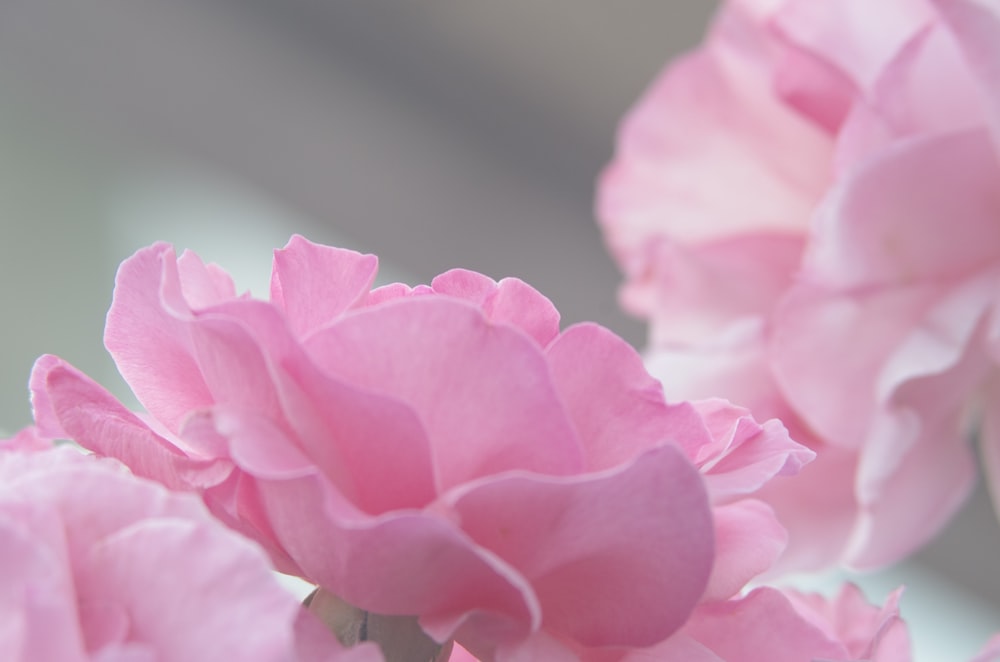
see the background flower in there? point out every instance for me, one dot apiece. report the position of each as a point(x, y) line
point(100, 565)
point(807, 210)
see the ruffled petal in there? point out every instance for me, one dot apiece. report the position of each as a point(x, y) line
point(482, 392)
point(147, 336)
point(511, 301)
point(618, 558)
point(748, 541)
point(70, 405)
point(442, 576)
point(314, 284)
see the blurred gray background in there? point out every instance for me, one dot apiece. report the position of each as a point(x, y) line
point(436, 134)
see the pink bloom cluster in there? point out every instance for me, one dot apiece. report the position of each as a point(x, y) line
point(99, 565)
point(443, 451)
point(807, 209)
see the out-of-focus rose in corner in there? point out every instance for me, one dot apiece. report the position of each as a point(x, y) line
point(99, 565)
point(807, 210)
point(442, 452)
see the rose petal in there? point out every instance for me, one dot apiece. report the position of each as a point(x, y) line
point(748, 540)
point(883, 224)
point(441, 576)
point(602, 569)
point(975, 25)
point(33, 583)
point(633, 415)
point(511, 301)
point(70, 402)
point(761, 627)
point(147, 336)
point(315, 284)
point(128, 567)
point(435, 354)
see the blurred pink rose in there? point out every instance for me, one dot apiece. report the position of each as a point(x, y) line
point(442, 451)
point(97, 564)
point(808, 211)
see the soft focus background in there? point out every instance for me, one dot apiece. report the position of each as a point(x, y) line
point(436, 134)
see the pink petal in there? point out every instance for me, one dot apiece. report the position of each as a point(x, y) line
point(616, 406)
point(925, 89)
point(761, 627)
point(388, 293)
point(711, 122)
point(883, 224)
point(694, 291)
point(203, 285)
point(126, 542)
point(89, 499)
point(371, 447)
point(617, 558)
point(818, 507)
point(234, 365)
point(148, 338)
point(539, 646)
point(748, 540)
point(904, 506)
point(733, 366)
point(315, 284)
point(78, 408)
point(27, 439)
point(976, 27)
point(139, 568)
point(678, 647)
point(435, 354)
point(743, 454)
point(808, 80)
point(834, 31)
point(511, 301)
point(868, 632)
point(442, 575)
point(859, 334)
point(33, 589)
point(459, 654)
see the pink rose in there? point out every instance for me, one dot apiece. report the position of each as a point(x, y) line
point(807, 210)
point(100, 565)
point(441, 451)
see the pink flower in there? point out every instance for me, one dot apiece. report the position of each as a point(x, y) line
point(442, 451)
point(808, 211)
point(100, 565)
